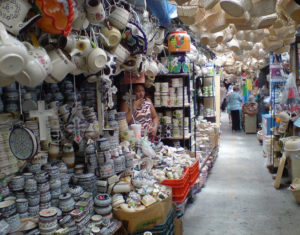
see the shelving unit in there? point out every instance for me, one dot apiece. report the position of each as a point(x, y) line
point(185, 139)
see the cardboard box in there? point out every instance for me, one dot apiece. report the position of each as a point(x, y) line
point(145, 219)
point(178, 228)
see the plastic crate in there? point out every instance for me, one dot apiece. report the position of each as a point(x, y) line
point(194, 172)
point(180, 198)
point(179, 186)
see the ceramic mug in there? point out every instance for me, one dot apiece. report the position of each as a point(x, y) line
point(62, 65)
point(118, 16)
point(81, 22)
point(96, 60)
point(95, 11)
point(81, 65)
point(12, 53)
point(152, 69)
point(110, 36)
point(121, 53)
point(38, 66)
point(76, 44)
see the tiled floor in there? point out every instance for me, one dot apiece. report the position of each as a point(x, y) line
point(239, 197)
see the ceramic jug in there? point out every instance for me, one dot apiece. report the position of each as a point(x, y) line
point(13, 14)
point(12, 54)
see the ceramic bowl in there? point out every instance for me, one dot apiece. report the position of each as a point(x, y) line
point(102, 200)
point(103, 210)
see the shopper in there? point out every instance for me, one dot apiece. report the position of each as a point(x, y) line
point(143, 113)
point(235, 101)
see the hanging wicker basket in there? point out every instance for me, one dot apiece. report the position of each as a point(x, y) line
point(207, 4)
point(236, 8)
point(187, 14)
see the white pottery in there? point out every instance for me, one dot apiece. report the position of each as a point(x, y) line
point(121, 53)
point(95, 11)
point(152, 69)
point(96, 59)
point(118, 17)
point(38, 67)
point(110, 36)
point(13, 14)
point(12, 53)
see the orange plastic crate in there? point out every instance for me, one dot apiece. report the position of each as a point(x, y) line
point(180, 198)
point(180, 187)
point(194, 172)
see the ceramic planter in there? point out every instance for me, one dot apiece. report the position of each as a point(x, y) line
point(103, 210)
point(179, 64)
point(66, 202)
point(179, 41)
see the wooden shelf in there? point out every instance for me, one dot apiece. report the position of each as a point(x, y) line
point(174, 75)
point(174, 107)
point(186, 137)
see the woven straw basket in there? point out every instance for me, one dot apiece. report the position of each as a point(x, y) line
point(216, 22)
point(236, 8)
point(262, 7)
point(207, 4)
point(181, 2)
point(292, 9)
point(187, 14)
point(264, 21)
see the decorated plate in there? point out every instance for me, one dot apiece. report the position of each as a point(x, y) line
point(23, 143)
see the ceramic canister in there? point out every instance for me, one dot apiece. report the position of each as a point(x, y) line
point(17, 183)
point(33, 198)
point(22, 205)
point(48, 219)
point(164, 100)
point(30, 186)
point(164, 87)
point(68, 155)
point(66, 202)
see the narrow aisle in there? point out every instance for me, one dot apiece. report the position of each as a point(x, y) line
point(239, 197)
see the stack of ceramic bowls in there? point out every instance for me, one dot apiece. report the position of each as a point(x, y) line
point(3, 156)
point(48, 221)
point(11, 98)
point(80, 218)
point(66, 203)
point(7, 209)
point(119, 160)
point(176, 128)
point(180, 98)
point(86, 181)
point(121, 118)
point(167, 127)
point(113, 136)
point(4, 189)
point(103, 204)
point(91, 158)
point(90, 96)
point(55, 181)
point(172, 92)
point(164, 94)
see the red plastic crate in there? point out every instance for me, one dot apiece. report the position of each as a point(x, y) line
point(180, 187)
point(194, 172)
point(178, 183)
point(180, 198)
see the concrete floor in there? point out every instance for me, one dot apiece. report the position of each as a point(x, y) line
point(239, 197)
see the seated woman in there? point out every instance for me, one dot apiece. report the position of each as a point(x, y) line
point(143, 111)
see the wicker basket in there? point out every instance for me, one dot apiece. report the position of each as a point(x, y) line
point(236, 8)
point(208, 4)
point(187, 14)
point(264, 21)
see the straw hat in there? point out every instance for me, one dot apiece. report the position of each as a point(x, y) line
point(264, 21)
point(241, 23)
point(262, 7)
point(207, 4)
point(240, 35)
point(236, 8)
point(288, 41)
